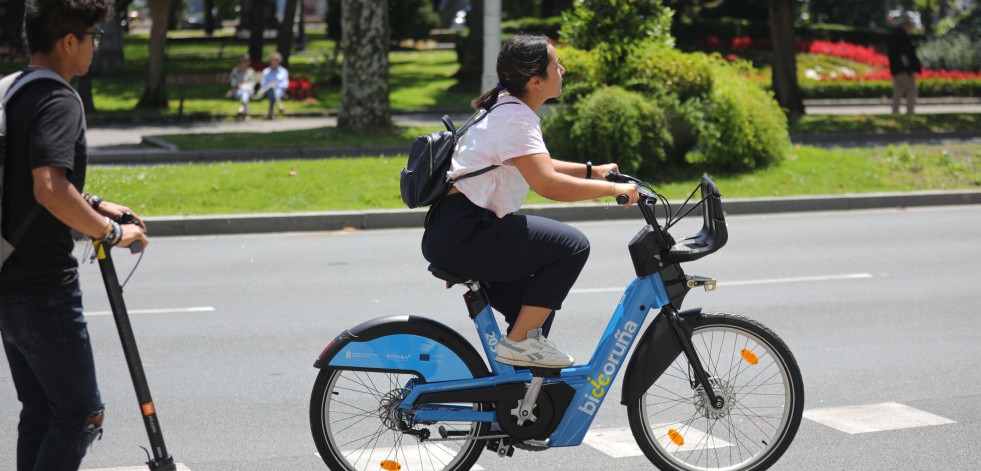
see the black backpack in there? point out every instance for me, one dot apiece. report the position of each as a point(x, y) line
point(423, 179)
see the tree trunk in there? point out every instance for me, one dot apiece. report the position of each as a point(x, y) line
point(14, 25)
point(155, 95)
point(472, 55)
point(209, 18)
point(85, 93)
point(785, 85)
point(284, 40)
point(364, 87)
point(108, 60)
point(257, 27)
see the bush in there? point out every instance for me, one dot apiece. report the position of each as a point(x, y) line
point(746, 128)
point(653, 67)
point(610, 124)
point(683, 103)
point(548, 26)
point(954, 51)
point(883, 88)
point(584, 73)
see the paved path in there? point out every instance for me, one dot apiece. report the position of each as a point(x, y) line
point(125, 138)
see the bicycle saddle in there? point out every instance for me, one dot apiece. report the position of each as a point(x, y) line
point(450, 278)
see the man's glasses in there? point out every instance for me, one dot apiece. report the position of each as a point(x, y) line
point(96, 35)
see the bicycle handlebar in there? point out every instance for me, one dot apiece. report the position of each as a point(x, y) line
point(713, 235)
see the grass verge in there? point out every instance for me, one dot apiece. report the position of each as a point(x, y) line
point(372, 183)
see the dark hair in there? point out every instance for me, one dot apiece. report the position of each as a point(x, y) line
point(47, 21)
point(521, 58)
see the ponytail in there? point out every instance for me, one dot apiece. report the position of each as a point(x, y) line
point(488, 99)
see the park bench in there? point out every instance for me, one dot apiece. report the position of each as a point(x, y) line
point(180, 81)
point(192, 49)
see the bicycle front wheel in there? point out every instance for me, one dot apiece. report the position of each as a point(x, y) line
point(755, 374)
point(357, 426)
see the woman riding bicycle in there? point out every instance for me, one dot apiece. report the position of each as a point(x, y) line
point(528, 264)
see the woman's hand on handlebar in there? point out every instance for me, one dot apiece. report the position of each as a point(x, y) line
point(626, 194)
point(600, 171)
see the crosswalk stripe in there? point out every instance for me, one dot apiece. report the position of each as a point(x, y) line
point(180, 467)
point(619, 442)
point(874, 417)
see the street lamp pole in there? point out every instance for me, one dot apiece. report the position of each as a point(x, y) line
point(492, 43)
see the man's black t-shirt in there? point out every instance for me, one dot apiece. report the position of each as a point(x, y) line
point(44, 129)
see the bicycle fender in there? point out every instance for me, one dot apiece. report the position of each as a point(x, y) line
point(410, 344)
point(656, 350)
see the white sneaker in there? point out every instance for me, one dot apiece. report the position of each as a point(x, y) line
point(534, 351)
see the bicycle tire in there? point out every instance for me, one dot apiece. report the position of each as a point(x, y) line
point(676, 427)
point(350, 416)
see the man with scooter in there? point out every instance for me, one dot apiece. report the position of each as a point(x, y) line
point(43, 330)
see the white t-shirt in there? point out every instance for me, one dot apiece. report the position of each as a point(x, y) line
point(510, 131)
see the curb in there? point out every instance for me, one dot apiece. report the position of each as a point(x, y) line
point(409, 218)
point(165, 156)
point(864, 139)
point(165, 153)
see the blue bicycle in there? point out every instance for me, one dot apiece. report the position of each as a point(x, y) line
point(703, 390)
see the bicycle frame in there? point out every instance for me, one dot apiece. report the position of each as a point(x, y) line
point(590, 381)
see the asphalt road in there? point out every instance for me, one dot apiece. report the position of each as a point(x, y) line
point(880, 307)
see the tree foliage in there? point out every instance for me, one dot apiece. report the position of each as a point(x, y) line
point(613, 28)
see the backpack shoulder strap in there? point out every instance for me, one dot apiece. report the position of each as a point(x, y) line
point(19, 80)
point(9, 86)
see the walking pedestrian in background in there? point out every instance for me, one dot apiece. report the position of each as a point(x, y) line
point(903, 64)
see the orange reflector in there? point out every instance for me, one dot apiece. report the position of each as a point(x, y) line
point(388, 465)
point(750, 357)
point(676, 437)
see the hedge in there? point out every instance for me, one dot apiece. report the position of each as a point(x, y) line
point(883, 88)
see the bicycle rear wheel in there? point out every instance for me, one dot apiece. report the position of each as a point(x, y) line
point(757, 376)
point(356, 426)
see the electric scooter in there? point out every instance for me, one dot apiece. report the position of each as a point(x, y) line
point(161, 461)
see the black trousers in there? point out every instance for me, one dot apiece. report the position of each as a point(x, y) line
point(521, 260)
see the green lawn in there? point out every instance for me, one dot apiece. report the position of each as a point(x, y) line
point(372, 183)
point(418, 79)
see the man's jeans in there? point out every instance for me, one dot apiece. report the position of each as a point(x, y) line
point(47, 346)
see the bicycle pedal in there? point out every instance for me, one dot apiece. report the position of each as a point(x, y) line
point(546, 372)
point(501, 448)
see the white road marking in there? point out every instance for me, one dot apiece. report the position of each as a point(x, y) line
point(437, 450)
point(180, 467)
point(173, 310)
point(801, 279)
point(874, 417)
point(620, 442)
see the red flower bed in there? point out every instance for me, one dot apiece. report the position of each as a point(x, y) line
point(301, 88)
point(866, 55)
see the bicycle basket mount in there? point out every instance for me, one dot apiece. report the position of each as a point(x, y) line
point(653, 247)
